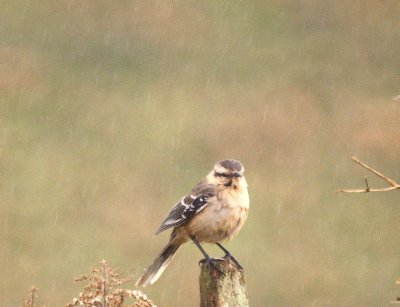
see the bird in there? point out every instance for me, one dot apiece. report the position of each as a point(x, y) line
point(213, 212)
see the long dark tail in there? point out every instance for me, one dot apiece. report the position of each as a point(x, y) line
point(154, 271)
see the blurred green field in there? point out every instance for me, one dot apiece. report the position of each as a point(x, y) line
point(111, 111)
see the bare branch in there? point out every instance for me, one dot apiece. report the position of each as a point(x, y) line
point(390, 181)
point(393, 184)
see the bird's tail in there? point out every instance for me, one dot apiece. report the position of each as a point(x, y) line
point(154, 271)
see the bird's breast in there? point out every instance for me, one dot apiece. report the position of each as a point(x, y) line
point(222, 218)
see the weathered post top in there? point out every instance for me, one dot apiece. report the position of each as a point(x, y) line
point(222, 285)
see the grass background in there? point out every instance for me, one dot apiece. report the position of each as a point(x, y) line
point(110, 112)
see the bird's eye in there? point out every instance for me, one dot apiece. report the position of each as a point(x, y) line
point(221, 175)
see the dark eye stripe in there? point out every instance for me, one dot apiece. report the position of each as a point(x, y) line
point(221, 175)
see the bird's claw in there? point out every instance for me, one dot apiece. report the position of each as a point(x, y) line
point(229, 256)
point(212, 263)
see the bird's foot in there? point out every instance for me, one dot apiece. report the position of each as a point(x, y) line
point(229, 256)
point(212, 264)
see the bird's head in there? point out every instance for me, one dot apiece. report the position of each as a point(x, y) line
point(228, 173)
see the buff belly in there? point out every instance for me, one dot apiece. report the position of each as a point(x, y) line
point(217, 224)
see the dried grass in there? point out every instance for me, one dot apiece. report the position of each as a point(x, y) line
point(104, 288)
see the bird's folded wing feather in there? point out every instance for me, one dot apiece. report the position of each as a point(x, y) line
point(188, 207)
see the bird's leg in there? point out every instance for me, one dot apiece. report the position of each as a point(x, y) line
point(207, 259)
point(206, 256)
point(228, 255)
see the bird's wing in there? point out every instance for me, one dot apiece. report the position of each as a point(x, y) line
point(188, 207)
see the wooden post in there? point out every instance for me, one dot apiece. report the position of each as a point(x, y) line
point(224, 289)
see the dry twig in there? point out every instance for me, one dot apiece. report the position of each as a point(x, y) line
point(31, 301)
point(104, 290)
point(393, 185)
